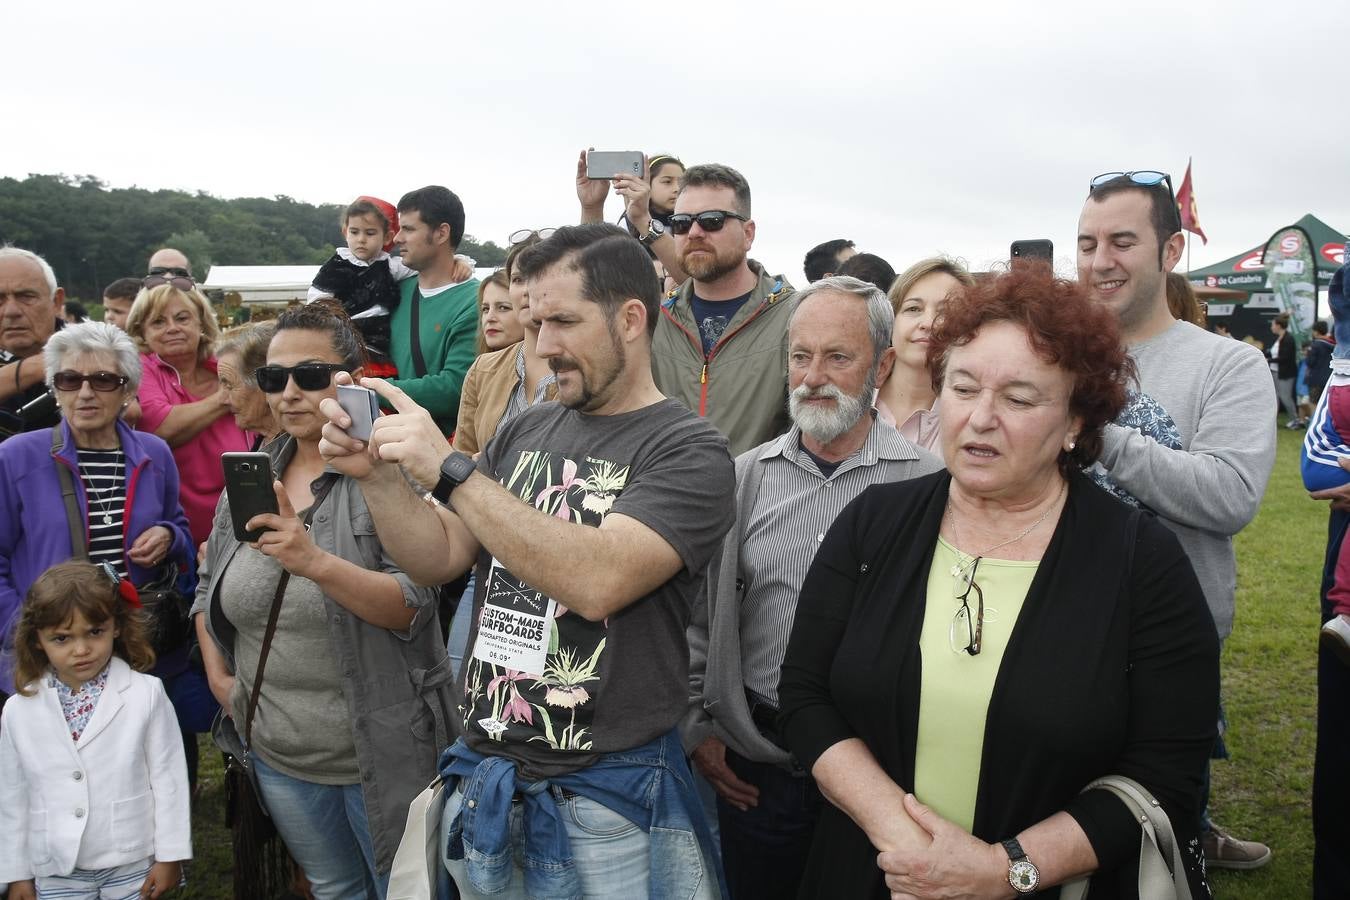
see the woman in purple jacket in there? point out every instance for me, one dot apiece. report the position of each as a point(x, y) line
point(126, 483)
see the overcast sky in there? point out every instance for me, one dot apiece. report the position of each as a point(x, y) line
point(909, 128)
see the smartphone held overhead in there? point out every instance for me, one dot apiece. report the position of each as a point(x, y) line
point(248, 488)
point(1041, 249)
point(605, 164)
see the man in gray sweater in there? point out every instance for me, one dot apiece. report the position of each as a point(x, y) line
point(1197, 442)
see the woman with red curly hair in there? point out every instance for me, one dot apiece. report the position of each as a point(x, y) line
point(973, 648)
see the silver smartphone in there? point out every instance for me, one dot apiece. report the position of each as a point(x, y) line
point(606, 164)
point(363, 405)
point(248, 486)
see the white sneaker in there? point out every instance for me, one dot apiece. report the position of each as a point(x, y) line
point(1336, 637)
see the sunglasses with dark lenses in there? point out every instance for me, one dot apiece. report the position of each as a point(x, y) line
point(525, 234)
point(709, 220)
point(169, 270)
point(99, 381)
point(308, 376)
point(182, 282)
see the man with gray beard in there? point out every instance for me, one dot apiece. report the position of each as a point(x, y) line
point(788, 492)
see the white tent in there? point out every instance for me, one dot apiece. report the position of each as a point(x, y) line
point(262, 284)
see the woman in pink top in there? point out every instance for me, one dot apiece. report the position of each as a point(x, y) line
point(906, 399)
point(181, 398)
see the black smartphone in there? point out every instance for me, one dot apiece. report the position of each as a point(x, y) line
point(248, 486)
point(1037, 249)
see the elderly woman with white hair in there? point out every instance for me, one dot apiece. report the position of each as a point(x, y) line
point(125, 482)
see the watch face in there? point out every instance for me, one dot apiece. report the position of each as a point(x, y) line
point(1023, 876)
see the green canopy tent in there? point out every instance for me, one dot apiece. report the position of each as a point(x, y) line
point(1246, 273)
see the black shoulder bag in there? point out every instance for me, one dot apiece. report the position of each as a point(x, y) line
point(164, 610)
point(415, 336)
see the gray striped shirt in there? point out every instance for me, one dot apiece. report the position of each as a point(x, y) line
point(793, 509)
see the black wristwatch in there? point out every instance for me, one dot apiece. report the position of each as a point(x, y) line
point(454, 471)
point(654, 230)
point(1022, 872)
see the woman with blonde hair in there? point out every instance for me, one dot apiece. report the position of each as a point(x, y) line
point(181, 397)
point(907, 398)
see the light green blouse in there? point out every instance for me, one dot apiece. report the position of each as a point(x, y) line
point(954, 698)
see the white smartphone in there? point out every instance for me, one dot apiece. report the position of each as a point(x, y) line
point(605, 164)
point(363, 405)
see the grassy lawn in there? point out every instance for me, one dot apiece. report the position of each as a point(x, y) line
point(1270, 687)
point(1269, 674)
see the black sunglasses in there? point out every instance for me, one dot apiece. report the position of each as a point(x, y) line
point(99, 381)
point(709, 220)
point(310, 376)
point(183, 282)
point(169, 270)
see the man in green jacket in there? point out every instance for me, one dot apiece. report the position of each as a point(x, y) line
point(720, 346)
point(442, 312)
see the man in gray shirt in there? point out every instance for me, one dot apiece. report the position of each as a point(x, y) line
point(788, 493)
point(1197, 442)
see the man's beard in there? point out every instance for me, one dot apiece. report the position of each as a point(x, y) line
point(606, 375)
point(709, 267)
point(825, 425)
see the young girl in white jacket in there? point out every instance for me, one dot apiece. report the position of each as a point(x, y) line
point(93, 783)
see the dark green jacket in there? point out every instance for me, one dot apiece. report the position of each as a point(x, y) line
point(741, 386)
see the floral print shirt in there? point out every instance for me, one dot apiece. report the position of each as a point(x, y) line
point(78, 705)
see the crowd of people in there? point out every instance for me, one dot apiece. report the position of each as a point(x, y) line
point(680, 580)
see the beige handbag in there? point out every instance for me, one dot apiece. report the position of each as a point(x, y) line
point(1161, 873)
point(417, 863)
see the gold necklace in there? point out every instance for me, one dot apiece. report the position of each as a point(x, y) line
point(959, 568)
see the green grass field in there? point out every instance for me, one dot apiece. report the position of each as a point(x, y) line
point(1269, 675)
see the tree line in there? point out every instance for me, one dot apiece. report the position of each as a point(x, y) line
point(92, 234)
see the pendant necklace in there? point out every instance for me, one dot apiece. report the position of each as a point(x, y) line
point(959, 569)
point(104, 505)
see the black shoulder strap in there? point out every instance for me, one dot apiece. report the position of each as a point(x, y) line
point(274, 615)
point(415, 336)
point(78, 548)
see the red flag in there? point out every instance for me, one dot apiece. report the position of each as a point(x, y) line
point(1190, 216)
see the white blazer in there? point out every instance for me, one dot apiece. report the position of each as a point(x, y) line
point(118, 795)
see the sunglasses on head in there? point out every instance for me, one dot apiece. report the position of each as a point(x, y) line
point(709, 220)
point(1145, 178)
point(525, 234)
point(99, 381)
point(183, 282)
point(310, 376)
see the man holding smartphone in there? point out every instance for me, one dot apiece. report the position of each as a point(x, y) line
point(591, 542)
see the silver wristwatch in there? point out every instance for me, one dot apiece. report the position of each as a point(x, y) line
point(654, 230)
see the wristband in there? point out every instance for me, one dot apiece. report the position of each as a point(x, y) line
point(18, 367)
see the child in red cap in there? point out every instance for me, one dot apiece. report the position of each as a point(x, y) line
point(364, 277)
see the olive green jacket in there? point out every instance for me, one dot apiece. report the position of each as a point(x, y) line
point(741, 386)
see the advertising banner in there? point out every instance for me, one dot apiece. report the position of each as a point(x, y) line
point(1291, 275)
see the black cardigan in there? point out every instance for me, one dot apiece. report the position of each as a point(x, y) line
point(1111, 668)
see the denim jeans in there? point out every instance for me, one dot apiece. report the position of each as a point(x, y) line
point(609, 851)
point(458, 642)
point(764, 848)
point(324, 826)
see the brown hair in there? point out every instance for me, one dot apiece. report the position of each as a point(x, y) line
point(1182, 302)
point(60, 592)
point(905, 281)
point(499, 279)
point(1065, 328)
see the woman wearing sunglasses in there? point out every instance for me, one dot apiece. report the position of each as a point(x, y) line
point(181, 397)
point(993, 638)
point(125, 483)
point(355, 694)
